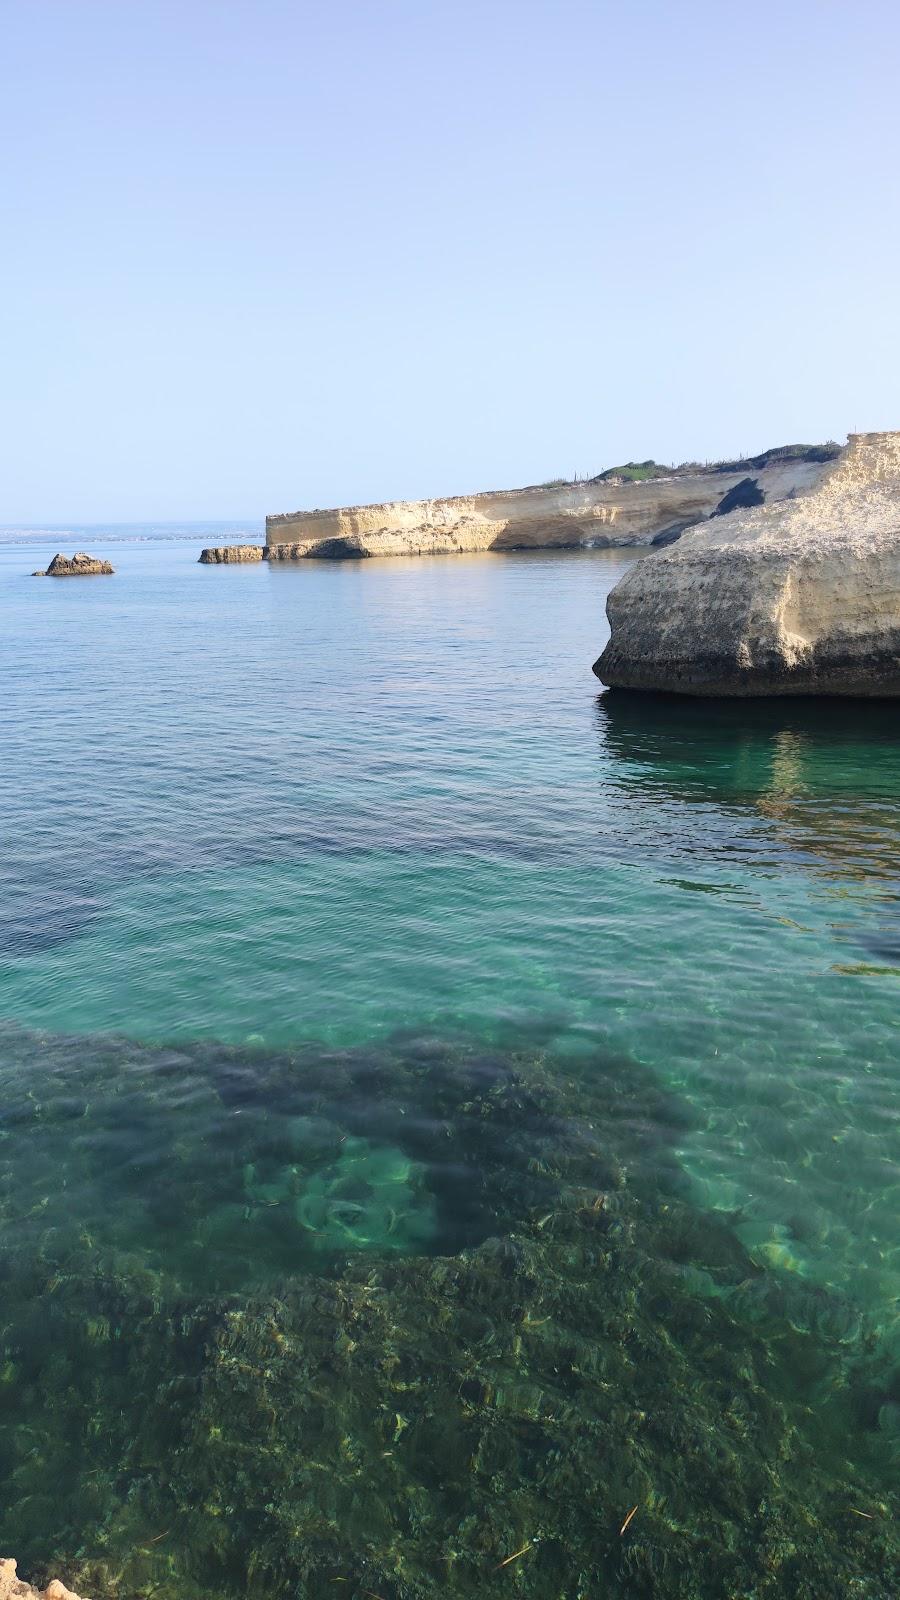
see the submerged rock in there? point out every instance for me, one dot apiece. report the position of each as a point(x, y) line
point(13, 1588)
point(78, 566)
point(802, 597)
point(370, 1416)
point(226, 554)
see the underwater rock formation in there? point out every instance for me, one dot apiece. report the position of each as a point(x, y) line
point(78, 566)
point(13, 1587)
point(802, 597)
point(581, 1349)
point(227, 554)
point(603, 511)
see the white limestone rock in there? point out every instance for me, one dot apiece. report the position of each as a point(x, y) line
point(12, 1587)
point(229, 554)
point(801, 597)
point(600, 513)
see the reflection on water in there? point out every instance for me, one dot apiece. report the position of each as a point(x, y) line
point(826, 775)
point(797, 1138)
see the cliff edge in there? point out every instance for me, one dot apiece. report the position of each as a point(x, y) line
point(612, 509)
point(801, 597)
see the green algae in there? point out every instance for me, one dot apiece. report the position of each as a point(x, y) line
point(562, 1337)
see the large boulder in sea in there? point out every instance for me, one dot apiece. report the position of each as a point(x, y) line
point(801, 597)
point(78, 566)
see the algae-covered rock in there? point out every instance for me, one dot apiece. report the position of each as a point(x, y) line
point(519, 1332)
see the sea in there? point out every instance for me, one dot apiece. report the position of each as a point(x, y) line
point(449, 1118)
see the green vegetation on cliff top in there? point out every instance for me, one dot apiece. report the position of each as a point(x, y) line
point(642, 471)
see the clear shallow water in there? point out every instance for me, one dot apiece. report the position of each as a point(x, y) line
point(345, 925)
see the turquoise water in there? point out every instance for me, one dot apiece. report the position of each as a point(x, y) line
point(353, 944)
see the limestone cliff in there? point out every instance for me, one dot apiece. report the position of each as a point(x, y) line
point(601, 512)
point(801, 597)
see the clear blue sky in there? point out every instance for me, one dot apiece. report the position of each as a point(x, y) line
point(262, 254)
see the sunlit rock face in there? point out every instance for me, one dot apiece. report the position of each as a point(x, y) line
point(802, 597)
point(229, 554)
point(13, 1588)
point(600, 512)
point(80, 565)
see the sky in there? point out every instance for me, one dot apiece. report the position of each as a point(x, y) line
point(257, 255)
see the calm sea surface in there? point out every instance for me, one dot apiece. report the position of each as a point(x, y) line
point(443, 1107)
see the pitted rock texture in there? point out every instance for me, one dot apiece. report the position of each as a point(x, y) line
point(78, 566)
point(13, 1587)
point(802, 597)
point(229, 554)
point(598, 513)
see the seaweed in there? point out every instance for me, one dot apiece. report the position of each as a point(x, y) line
point(551, 1375)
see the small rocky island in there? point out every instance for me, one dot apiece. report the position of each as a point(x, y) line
point(78, 566)
point(800, 597)
point(227, 554)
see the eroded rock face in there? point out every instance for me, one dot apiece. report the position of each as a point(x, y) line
point(78, 566)
point(600, 512)
point(13, 1587)
point(226, 554)
point(801, 597)
point(743, 497)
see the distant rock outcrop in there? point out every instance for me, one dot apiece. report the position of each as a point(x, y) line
point(13, 1587)
point(802, 597)
point(226, 554)
point(77, 566)
point(614, 509)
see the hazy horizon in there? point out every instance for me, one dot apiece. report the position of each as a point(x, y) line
point(270, 257)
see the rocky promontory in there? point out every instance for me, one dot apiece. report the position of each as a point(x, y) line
point(14, 1588)
point(638, 504)
point(227, 554)
point(78, 566)
point(802, 597)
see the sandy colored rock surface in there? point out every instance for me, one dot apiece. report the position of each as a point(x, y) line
point(13, 1587)
point(801, 597)
point(78, 566)
point(227, 554)
point(596, 513)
